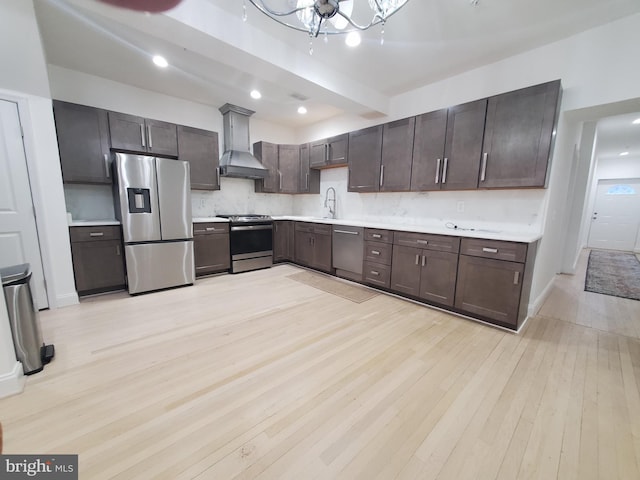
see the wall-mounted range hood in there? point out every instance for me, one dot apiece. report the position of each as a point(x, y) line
point(237, 160)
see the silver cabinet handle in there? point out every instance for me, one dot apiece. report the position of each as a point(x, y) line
point(423, 242)
point(338, 159)
point(424, 260)
point(489, 250)
point(149, 134)
point(373, 272)
point(144, 142)
point(483, 173)
point(516, 278)
point(381, 175)
point(218, 175)
point(96, 234)
point(417, 259)
point(307, 184)
point(444, 170)
point(376, 235)
point(280, 179)
point(438, 171)
point(326, 153)
point(347, 231)
point(107, 170)
point(210, 229)
point(375, 252)
point(118, 250)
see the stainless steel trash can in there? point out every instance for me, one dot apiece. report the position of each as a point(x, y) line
point(23, 318)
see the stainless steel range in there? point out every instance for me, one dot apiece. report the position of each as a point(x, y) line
point(251, 239)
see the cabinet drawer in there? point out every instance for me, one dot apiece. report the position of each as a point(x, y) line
point(510, 251)
point(441, 243)
point(378, 252)
point(304, 227)
point(210, 228)
point(93, 234)
point(321, 229)
point(376, 235)
point(377, 274)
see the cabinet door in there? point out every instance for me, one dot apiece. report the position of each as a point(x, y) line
point(267, 153)
point(128, 132)
point(309, 178)
point(162, 138)
point(518, 137)
point(282, 244)
point(303, 250)
point(200, 149)
point(490, 289)
point(463, 146)
point(365, 155)
point(83, 142)
point(438, 276)
point(428, 151)
point(289, 168)
point(405, 270)
point(211, 253)
point(337, 150)
point(318, 151)
point(98, 266)
point(397, 152)
point(322, 252)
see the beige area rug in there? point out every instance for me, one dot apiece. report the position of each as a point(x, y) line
point(335, 287)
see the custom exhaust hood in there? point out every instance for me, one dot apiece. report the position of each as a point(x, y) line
point(237, 160)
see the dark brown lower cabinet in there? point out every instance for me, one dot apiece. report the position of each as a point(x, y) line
point(283, 240)
point(211, 248)
point(425, 274)
point(98, 259)
point(313, 245)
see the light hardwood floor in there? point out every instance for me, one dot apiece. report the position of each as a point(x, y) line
point(257, 376)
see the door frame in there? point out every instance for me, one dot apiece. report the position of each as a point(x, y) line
point(28, 140)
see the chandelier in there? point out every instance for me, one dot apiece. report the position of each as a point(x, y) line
point(328, 17)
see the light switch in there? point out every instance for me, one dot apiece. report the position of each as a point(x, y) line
point(460, 207)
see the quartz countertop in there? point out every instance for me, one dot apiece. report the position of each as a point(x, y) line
point(209, 220)
point(496, 232)
point(93, 223)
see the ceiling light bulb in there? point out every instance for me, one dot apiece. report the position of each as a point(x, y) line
point(353, 39)
point(160, 61)
point(302, 110)
point(624, 154)
point(256, 94)
point(636, 121)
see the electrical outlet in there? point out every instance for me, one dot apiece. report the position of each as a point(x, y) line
point(460, 207)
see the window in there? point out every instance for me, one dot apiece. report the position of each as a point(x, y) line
point(621, 190)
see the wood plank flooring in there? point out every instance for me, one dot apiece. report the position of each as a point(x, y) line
point(257, 376)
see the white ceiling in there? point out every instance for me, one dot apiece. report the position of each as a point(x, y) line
point(217, 58)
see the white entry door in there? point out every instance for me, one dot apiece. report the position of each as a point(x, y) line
point(18, 233)
point(616, 215)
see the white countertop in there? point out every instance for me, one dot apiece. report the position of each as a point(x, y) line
point(489, 233)
point(209, 220)
point(93, 223)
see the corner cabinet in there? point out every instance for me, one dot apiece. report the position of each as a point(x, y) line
point(211, 253)
point(519, 137)
point(142, 135)
point(83, 143)
point(200, 148)
point(98, 259)
point(283, 240)
point(309, 181)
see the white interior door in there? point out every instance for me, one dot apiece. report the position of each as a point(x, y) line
point(18, 233)
point(616, 215)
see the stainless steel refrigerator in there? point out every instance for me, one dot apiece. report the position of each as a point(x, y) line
point(153, 203)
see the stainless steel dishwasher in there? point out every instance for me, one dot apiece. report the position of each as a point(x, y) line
point(348, 249)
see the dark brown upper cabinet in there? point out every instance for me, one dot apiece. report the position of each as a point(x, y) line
point(83, 143)
point(452, 161)
point(138, 134)
point(267, 153)
point(309, 181)
point(365, 156)
point(330, 152)
point(518, 137)
point(397, 154)
point(288, 168)
point(200, 149)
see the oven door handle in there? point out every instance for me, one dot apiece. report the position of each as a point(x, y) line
point(251, 227)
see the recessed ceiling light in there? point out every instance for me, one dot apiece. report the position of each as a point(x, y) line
point(256, 94)
point(160, 61)
point(302, 110)
point(353, 39)
point(636, 121)
point(624, 154)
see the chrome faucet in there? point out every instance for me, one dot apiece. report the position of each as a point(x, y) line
point(330, 202)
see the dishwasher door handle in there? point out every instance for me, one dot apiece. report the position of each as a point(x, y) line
point(347, 232)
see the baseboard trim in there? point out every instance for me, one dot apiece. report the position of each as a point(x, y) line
point(13, 382)
point(67, 300)
point(535, 306)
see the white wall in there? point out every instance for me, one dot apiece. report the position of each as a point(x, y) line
point(11, 376)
